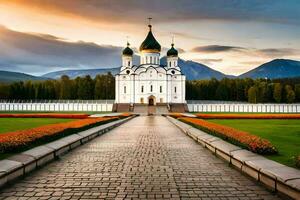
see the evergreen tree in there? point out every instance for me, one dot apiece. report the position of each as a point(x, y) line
point(252, 94)
point(297, 92)
point(290, 94)
point(277, 92)
point(65, 88)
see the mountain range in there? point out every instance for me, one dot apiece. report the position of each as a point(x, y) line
point(278, 68)
point(7, 76)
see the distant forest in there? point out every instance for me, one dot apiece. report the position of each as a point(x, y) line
point(103, 87)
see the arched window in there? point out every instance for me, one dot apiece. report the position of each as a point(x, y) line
point(151, 88)
point(160, 89)
point(175, 89)
point(170, 64)
point(128, 63)
point(142, 89)
point(150, 59)
point(124, 89)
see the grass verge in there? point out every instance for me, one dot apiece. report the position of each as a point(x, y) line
point(283, 134)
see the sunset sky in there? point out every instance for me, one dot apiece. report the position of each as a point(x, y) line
point(232, 36)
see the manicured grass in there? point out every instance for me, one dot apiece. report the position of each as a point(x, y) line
point(14, 124)
point(283, 134)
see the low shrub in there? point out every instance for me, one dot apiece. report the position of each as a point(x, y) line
point(240, 138)
point(248, 116)
point(23, 139)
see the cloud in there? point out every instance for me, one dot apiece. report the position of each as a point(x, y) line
point(278, 52)
point(208, 61)
point(42, 53)
point(130, 11)
point(216, 49)
point(267, 52)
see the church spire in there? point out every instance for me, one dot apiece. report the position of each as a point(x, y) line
point(149, 23)
point(150, 44)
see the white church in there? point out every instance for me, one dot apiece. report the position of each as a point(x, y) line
point(150, 83)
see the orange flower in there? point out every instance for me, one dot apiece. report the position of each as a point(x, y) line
point(241, 138)
point(15, 141)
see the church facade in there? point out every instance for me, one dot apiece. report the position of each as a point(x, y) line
point(150, 83)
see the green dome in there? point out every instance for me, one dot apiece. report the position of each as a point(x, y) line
point(150, 44)
point(172, 51)
point(127, 51)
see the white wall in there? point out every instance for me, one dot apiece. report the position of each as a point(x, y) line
point(100, 106)
point(106, 106)
point(230, 107)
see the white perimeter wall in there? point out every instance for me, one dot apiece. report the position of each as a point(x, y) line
point(229, 107)
point(103, 106)
point(106, 106)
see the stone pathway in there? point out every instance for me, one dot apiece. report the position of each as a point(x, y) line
point(148, 157)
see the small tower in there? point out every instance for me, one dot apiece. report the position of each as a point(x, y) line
point(127, 56)
point(172, 56)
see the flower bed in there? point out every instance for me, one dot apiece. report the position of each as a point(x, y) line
point(46, 115)
point(240, 138)
point(248, 116)
point(24, 139)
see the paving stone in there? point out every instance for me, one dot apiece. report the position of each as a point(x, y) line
point(43, 154)
point(39, 151)
point(282, 173)
point(295, 183)
point(57, 144)
point(71, 138)
point(224, 146)
point(265, 164)
point(27, 161)
point(148, 157)
point(9, 165)
point(10, 170)
point(287, 189)
point(22, 158)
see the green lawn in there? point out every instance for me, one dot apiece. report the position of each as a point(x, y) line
point(13, 124)
point(284, 134)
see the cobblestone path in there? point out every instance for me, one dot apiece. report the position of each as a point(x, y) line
point(148, 157)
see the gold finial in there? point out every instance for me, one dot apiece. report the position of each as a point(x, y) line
point(149, 24)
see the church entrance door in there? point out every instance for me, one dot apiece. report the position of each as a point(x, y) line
point(151, 100)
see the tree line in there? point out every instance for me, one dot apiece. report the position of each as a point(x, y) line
point(103, 87)
point(250, 90)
